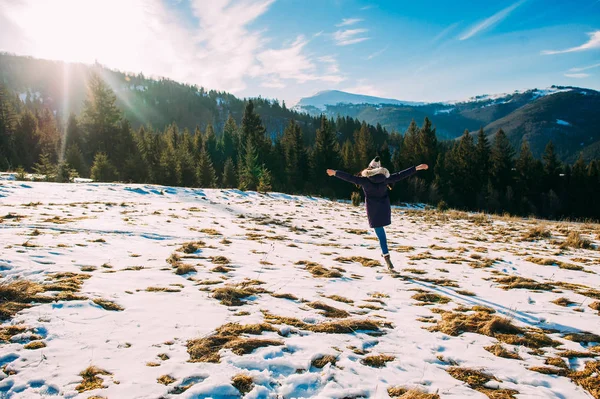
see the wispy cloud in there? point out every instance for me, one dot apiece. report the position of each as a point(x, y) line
point(377, 53)
point(349, 36)
point(584, 68)
point(372, 6)
point(592, 43)
point(577, 75)
point(490, 21)
point(445, 32)
point(349, 21)
point(290, 63)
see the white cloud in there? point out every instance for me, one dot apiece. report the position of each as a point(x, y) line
point(332, 64)
point(593, 43)
point(292, 63)
point(349, 21)
point(488, 22)
point(444, 32)
point(349, 36)
point(377, 53)
point(577, 75)
point(584, 68)
point(213, 47)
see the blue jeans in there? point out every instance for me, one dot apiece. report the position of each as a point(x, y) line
point(380, 231)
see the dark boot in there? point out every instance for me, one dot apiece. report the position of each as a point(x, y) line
point(388, 261)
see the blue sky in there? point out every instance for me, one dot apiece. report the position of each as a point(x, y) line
point(288, 49)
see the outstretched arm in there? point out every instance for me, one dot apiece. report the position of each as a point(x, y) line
point(346, 176)
point(396, 177)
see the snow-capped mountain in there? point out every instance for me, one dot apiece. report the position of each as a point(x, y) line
point(324, 98)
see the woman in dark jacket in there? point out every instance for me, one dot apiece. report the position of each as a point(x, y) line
point(374, 181)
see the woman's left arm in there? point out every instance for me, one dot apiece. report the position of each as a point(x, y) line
point(396, 177)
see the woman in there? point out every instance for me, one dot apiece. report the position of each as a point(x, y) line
point(374, 181)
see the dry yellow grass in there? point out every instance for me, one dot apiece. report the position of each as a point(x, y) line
point(408, 393)
point(366, 262)
point(242, 383)
point(500, 351)
point(34, 345)
point(229, 336)
point(91, 380)
point(108, 305)
point(323, 360)
point(165, 379)
point(318, 270)
point(329, 311)
point(430, 297)
point(232, 295)
point(377, 361)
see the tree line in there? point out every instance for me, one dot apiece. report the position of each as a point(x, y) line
point(471, 173)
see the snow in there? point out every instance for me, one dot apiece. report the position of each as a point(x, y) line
point(142, 225)
point(549, 91)
point(563, 123)
point(444, 111)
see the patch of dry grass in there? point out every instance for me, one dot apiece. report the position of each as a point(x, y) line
point(322, 361)
point(408, 393)
point(91, 380)
point(108, 305)
point(575, 240)
point(191, 247)
point(165, 379)
point(162, 289)
point(232, 295)
point(329, 311)
point(562, 301)
point(516, 282)
point(430, 298)
point(184, 268)
point(35, 345)
point(345, 326)
point(377, 361)
point(229, 336)
point(583, 337)
point(242, 383)
point(476, 379)
point(318, 270)
point(536, 233)
point(366, 262)
point(500, 351)
point(285, 296)
point(220, 260)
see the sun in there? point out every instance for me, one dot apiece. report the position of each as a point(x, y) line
point(78, 30)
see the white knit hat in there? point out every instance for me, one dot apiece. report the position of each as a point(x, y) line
point(375, 163)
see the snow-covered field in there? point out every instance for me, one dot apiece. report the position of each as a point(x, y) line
point(470, 312)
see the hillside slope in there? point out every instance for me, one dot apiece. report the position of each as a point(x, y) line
point(130, 290)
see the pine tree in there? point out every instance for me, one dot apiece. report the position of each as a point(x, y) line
point(552, 168)
point(577, 191)
point(75, 134)
point(482, 160)
point(295, 156)
point(185, 159)
point(348, 156)
point(101, 117)
point(65, 174)
point(365, 147)
point(249, 170)
point(264, 180)
point(427, 148)
point(229, 177)
point(325, 154)
point(528, 175)
point(207, 177)
point(228, 143)
point(210, 144)
point(26, 140)
point(501, 162)
point(8, 121)
point(253, 131)
point(74, 157)
point(102, 169)
point(410, 147)
point(45, 167)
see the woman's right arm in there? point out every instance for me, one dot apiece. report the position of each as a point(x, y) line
point(340, 174)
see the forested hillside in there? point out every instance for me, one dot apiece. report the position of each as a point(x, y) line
point(261, 145)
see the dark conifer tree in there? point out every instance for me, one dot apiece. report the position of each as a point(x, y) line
point(207, 177)
point(325, 154)
point(229, 179)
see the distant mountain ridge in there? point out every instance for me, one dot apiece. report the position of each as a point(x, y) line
point(565, 114)
point(332, 97)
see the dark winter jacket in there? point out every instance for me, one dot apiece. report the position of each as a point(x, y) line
point(377, 198)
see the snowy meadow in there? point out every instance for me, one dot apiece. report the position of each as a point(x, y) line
point(141, 291)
